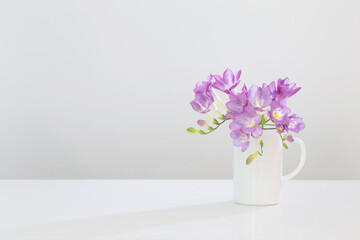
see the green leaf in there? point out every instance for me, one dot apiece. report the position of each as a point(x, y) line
point(216, 122)
point(211, 128)
point(285, 146)
point(202, 132)
point(192, 130)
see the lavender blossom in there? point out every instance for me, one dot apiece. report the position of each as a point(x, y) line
point(203, 96)
point(227, 82)
point(286, 89)
point(259, 97)
point(240, 139)
point(237, 103)
point(295, 123)
point(250, 110)
point(282, 127)
point(202, 103)
point(248, 122)
point(290, 123)
point(204, 86)
point(278, 110)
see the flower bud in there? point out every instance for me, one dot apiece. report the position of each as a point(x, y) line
point(192, 130)
point(202, 123)
point(251, 158)
point(290, 138)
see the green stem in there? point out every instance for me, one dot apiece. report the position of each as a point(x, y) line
point(283, 141)
point(264, 121)
point(217, 126)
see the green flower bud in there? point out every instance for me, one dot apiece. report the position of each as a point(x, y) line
point(251, 157)
point(261, 144)
point(192, 130)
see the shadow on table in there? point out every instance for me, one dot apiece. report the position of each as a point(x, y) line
point(130, 222)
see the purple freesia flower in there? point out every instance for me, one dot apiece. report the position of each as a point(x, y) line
point(240, 139)
point(285, 89)
point(237, 103)
point(202, 106)
point(259, 97)
point(203, 96)
point(278, 110)
point(247, 108)
point(248, 122)
point(291, 123)
point(227, 82)
point(295, 123)
point(283, 125)
point(204, 86)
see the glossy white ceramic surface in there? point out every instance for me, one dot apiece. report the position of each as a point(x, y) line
point(174, 209)
point(259, 183)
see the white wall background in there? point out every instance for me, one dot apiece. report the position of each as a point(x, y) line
point(100, 89)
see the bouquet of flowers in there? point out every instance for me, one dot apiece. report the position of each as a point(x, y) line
point(250, 110)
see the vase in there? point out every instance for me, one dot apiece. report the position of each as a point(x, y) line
point(259, 183)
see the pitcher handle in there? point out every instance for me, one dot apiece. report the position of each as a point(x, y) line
point(301, 163)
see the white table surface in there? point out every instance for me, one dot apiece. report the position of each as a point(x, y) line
point(174, 209)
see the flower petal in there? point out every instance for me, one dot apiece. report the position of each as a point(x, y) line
point(257, 132)
point(238, 75)
point(228, 77)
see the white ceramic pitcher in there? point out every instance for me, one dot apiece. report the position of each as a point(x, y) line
point(260, 182)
